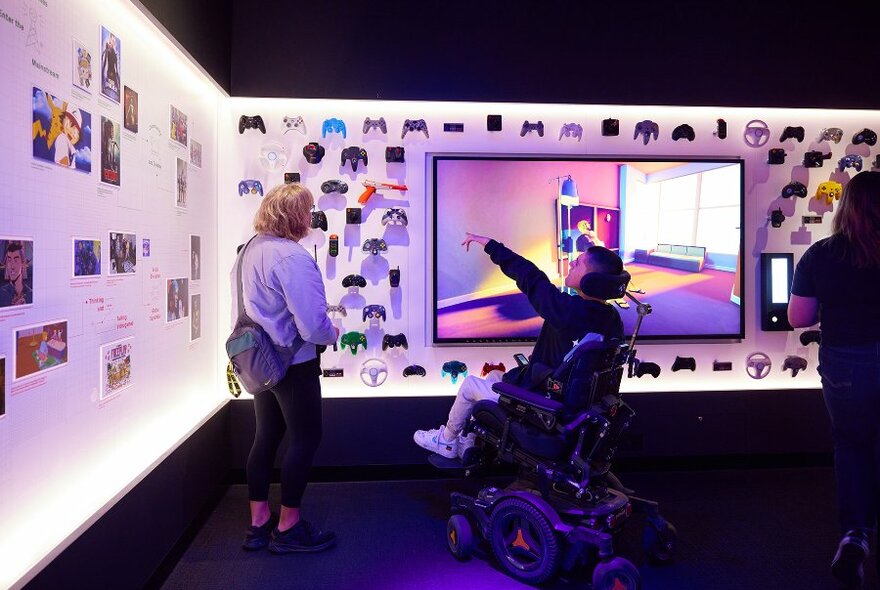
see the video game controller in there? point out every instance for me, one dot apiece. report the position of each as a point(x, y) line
point(374, 372)
point(334, 186)
point(395, 154)
point(454, 369)
point(758, 365)
point(354, 281)
point(814, 159)
point(850, 161)
point(333, 125)
point(648, 368)
point(252, 122)
point(834, 134)
point(291, 123)
point(414, 125)
point(414, 370)
point(794, 189)
point(529, 127)
point(250, 186)
point(353, 154)
point(571, 130)
point(865, 136)
point(777, 218)
point(829, 190)
point(795, 363)
point(394, 277)
point(319, 220)
point(340, 309)
point(720, 129)
point(395, 216)
point(610, 127)
point(313, 152)
point(776, 156)
point(333, 249)
point(375, 124)
point(353, 215)
point(398, 340)
point(683, 131)
point(792, 133)
point(489, 367)
point(810, 337)
point(647, 129)
point(373, 312)
point(684, 362)
point(374, 246)
point(756, 133)
point(273, 156)
point(352, 340)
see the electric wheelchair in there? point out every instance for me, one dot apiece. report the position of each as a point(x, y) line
point(565, 507)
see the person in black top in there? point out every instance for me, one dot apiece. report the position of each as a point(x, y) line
point(836, 282)
point(567, 318)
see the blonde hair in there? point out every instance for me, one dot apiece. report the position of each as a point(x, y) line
point(285, 212)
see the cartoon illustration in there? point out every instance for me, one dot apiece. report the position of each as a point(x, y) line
point(82, 66)
point(86, 258)
point(177, 298)
point(110, 173)
point(39, 348)
point(123, 253)
point(61, 132)
point(111, 57)
point(130, 110)
point(17, 286)
point(116, 373)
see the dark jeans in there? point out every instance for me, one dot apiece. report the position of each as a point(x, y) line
point(293, 405)
point(851, 385)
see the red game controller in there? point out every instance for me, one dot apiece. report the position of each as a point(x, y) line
point(488, 368)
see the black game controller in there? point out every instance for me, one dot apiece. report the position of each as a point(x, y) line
point(314, 152)
point(354, 281)
point(683, 131)
point(353, 154)
point(815, 159)
point(811, 336)
point(777, 218)
point(493, 122)
point(371, 312)
point(334, 186)
point(610, 127)
point(684, 362)
point(776, 156)
point(253, 122)
point(647, 129)
point(319, 220)
point(374, 246)
point(721, 130)
point(865, 136)
point(529, 127)
point(414, 370)
point(794, 189)
point(414, 125)
point(394, 277)
point(399, 340)
point(646, 368)
point(792, 133)
point(353, 215)
point(795, 363)
point(395, 154)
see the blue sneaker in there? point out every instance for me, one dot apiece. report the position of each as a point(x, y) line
point(257, 537)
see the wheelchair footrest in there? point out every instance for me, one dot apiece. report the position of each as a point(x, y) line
point(441, 462)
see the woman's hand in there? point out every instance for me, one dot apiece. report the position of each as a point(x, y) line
point(469, 237)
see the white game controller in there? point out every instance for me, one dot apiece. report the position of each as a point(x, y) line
point(758, 365)
point(273, 156)
point(291, 123)
point(756, 134)
point(374, 372)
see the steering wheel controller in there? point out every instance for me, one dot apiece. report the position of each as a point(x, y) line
point(758, 365)
point(756, 134)
point(374, 372)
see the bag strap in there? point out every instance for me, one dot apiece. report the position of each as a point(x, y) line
point(241, 310)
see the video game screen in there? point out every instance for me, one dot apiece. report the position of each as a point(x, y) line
point(677, 224)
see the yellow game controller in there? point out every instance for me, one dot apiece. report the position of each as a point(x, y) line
point(830, 190)
point(583, 226)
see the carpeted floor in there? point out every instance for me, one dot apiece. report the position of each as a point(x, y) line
point(739, 529)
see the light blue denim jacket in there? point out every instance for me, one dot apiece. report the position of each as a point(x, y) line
point(284, 293)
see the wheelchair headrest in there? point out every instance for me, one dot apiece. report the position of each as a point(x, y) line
point(605, 286)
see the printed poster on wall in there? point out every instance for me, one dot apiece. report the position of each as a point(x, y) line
point(110, 152)
point(123, 253)
point(195, 326)
point(40, 348)
point(86, 258)
point(176, 300)
point(195, 153)
point(111, 65)
point(2, 386)
point(130, 110)
point(195, 257)
point(62, 132)
point(82, 66)
point(116, 362)
point(182, 174)
point(17, 268)
point(178, 126)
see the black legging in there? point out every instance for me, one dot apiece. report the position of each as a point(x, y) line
point(295, 405)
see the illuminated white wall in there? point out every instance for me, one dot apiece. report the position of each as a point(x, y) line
point(65, 453)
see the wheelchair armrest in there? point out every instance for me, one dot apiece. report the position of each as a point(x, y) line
point(527, 397)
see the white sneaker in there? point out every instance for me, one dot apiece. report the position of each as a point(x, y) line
point(433, 441)
point(465, 443)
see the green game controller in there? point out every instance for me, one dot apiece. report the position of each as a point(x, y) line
point(352, 340)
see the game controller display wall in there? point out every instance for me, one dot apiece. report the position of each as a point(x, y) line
point(345, 141)
point(108, 239)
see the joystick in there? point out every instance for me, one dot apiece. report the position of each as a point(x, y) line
point(647, 129)
point(756, 134)
point(374, 246)
point(758, 365)
point(850, 161)
point(529, 127)
point(684, 362)
point(795, 363)
point(375, 124)
point(353, 154)
point(414, 370)
point(834, 134)
point(398, 340)
point(489, 367)
point(814, 159)
point(373, 312)
point(352, 340)
point(314, 152)
point(319, 220)
point(414, 125)
point(454, 369)
point(250, 186)
point(395, 216)
point(291, 123)
point(683, 131)
point(354, 281)
point(571, 130)
point(252, 122)
point(865, 136)
point(777, 218)
point(334, 186)
point(333, 126)
point(647, 368)
point(395, 154)
point(829, 190)
point(794, 189)
point(792, 133)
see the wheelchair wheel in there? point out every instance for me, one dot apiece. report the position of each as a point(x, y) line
point(460, 536)
point(523, 541)
point(616, 574)
point(660, 541)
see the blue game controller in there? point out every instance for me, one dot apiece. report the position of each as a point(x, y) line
point(850, 161)
point(333, 126)
point(454, 369)
point(250, 186)
point(372, 312)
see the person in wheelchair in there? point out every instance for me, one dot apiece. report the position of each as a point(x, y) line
point(567, 319)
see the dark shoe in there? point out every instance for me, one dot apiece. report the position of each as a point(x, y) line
point(258, 537)
point(848, 564)
point(301, 537)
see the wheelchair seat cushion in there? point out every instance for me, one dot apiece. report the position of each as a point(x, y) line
point(526, 396)
point(531, 440)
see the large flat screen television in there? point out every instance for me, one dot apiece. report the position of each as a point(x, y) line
point(677, 224)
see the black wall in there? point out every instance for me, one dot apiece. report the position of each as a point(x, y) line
point(688, 53)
